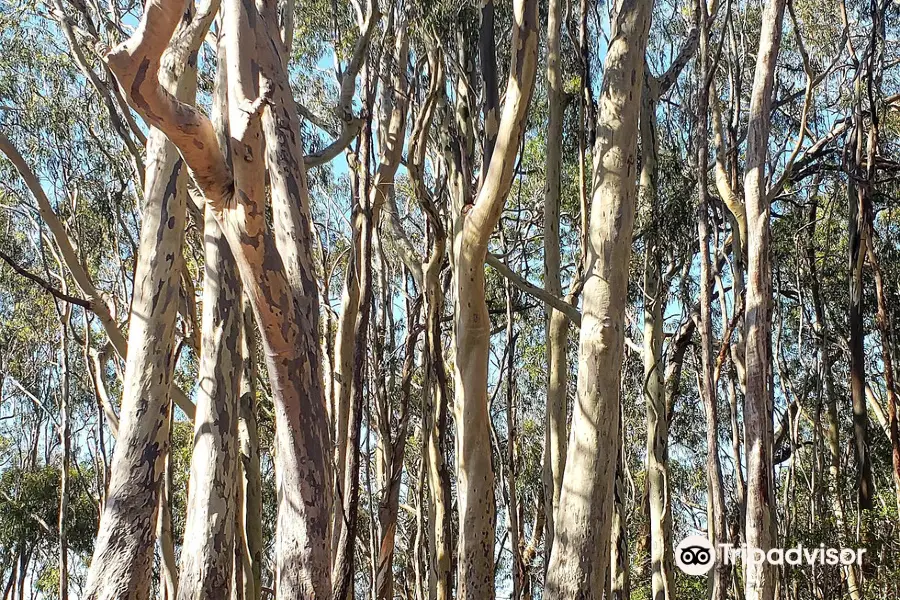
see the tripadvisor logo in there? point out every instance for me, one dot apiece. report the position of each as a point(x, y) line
point(695, 555)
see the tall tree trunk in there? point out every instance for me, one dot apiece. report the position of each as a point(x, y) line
point(718, 582)
point(475, 473)
point(857, 197)
point(207, 555)
point(660, 506)
point(303, 561)
point(250, 515)
point(65, 439)
point(760, 520)
point(275, 270)
point(123, 552)
point(580, 557)
point(557, 324)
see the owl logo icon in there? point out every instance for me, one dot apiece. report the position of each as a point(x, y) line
point(695, 555)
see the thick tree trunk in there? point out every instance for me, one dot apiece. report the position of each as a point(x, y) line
point(123, 552)
point(760, 520)
point(557, 324)
point(475, 473)
point(303, 560)
point(580, 558)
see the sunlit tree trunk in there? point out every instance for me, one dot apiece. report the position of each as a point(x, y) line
point(557, 324)
point(760, 519)
point(123, 552)
point(475, 475)
point(580, 558)
point(276, 270)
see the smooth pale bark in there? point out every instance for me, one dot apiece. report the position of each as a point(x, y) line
point(760, 518)
point(716, 532)
point(472, 326)
point(65, 438)
point(580, 558)
point(285, 320)
point(123, 552)
point(659, 503)
point(557, 325)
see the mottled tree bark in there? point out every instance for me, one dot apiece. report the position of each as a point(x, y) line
point(123, 552)
point(207, 552)
point(580, 558)
point(287, 318)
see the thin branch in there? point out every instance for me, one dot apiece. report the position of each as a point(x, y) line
point(45, 284)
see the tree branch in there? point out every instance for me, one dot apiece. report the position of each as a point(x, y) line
point(45, 284)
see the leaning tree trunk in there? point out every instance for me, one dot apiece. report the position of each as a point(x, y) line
point(557, 324)
point(760, 519)
point(580, 558)
point(475, 474)
point(123, 552)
